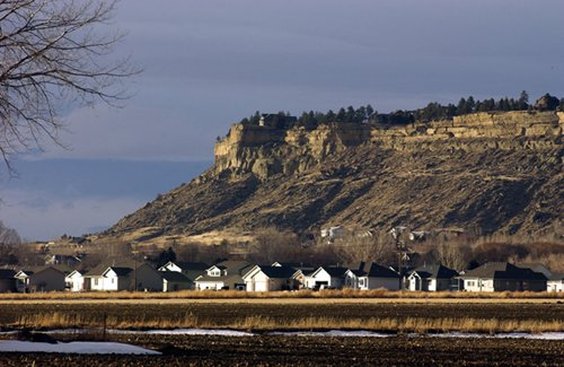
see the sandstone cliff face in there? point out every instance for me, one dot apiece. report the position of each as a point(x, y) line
point(483, 172)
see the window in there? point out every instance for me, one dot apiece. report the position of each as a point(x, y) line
point(361, 282)
point(95, 281)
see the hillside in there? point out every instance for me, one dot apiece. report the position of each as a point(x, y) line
point(485, 172)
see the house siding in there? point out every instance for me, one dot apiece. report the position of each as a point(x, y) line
point(555, 286)
point(47, 280)
point(385, 283)
point(148, 279)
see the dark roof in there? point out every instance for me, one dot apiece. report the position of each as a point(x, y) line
point(174, 276)
point(190, 266)
point(501, 270)
point(436, 271)
point(234, 266)
point(278, 271)
point(335, 271)
point(379, 271)
point(121, 271)
point(193, 274)
point(357, 272)
point(46, 268)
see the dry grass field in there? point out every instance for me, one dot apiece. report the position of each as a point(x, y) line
point(403, 296)
point(386, 314)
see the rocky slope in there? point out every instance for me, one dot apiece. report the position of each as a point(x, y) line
point(483, 172)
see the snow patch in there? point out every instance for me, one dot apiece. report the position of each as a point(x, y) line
point(337, 333)
point(74, 348)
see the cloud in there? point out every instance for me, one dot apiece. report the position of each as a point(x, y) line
point(36, 217)
point(208, 64)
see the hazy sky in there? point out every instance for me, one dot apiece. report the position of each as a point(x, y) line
point(209, 63)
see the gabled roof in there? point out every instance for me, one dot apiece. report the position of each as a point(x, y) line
point(76, 271)
point(358, 272)
point(189, 265)
point(435, 271)
point(174, 276)
point(234, 266)
point(120, 271)
point(379, 271)
point(279, 272)
point(333, 271)
point(46, 268)
point(501, 270)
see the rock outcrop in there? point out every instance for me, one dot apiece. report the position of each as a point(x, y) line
point(485, 172)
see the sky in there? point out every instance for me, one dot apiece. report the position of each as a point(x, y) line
point(207, 64)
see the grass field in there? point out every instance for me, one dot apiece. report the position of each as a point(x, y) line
point(405, 315)
point(302, 294)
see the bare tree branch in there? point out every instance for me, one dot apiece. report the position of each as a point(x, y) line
point(52, 57)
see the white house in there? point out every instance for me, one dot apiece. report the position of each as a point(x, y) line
point(22, 280)
point(116, 278)
point(269, 278)
point(432, 278)
point(327, 277)
point(225, 275)
point(555, 283)
point(499, 277)
point(352, 276)
point(74, 281)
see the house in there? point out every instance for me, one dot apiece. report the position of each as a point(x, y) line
point(147, 278)
point(47, 279)
point(269, 278)
point(191, 270)
point(22, 280)
point(116, 278)
point(555, 283)
point(74, 281)
point(327, 277)
point(500, 276)
point(7, 280)
point(224, 275)
point(93, 279)
point(175, 281)
point(109, 278)
point(432, 278)
point(379, 277)
point(352, 276)
point(302, 278)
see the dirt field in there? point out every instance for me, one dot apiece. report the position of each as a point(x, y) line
point(308, 351)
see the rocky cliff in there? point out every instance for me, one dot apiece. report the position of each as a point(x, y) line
point(485, 172)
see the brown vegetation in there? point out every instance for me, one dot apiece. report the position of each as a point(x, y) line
point(303, 294)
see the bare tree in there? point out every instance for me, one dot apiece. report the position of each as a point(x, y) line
point(364, 246)
point(53, 58)
point(9, 236)
point(453, 255)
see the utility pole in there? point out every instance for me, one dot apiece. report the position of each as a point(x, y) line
point(402, 251)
